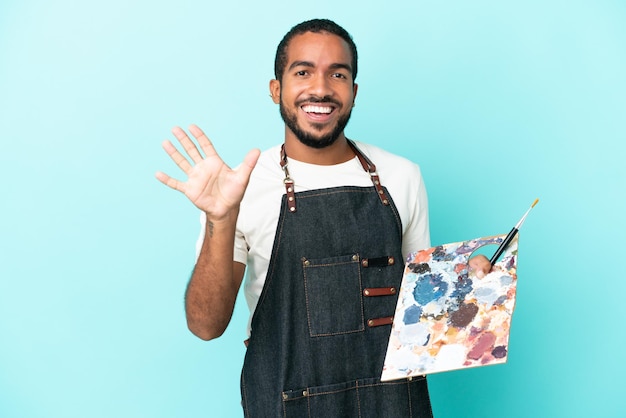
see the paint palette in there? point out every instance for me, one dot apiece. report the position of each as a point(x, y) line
point(448, 319)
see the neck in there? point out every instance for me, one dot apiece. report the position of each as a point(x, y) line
point(336, 153)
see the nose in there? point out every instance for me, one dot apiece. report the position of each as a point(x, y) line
point(320, 86)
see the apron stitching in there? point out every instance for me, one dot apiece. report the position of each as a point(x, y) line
point(360, 189)
point(306, 299)
point(408, 390)
point(358, 398)
point(308, 406)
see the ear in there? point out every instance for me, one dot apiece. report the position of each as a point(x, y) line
point(275, 91)
point(355, 88)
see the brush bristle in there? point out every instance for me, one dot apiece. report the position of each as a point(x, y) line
point(534, 203)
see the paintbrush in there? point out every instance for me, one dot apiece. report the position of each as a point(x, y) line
point(511, 235)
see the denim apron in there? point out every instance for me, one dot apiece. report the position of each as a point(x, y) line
point(322, 323)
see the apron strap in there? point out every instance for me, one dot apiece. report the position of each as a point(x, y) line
point(367, 164)
point(291, 196)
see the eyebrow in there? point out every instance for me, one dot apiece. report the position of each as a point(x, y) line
point(311, 65)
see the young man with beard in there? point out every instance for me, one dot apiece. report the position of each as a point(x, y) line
point(323, 225)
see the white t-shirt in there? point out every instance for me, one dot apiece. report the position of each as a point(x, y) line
point(260, 207)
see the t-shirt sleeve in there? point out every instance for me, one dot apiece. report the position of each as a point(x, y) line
point(201, 235)
point(240, 252)
point(417, 233)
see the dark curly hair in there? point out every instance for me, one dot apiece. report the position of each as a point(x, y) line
point(315, 26)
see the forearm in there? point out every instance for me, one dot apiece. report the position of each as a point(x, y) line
point(217, 190)
point(212, 289)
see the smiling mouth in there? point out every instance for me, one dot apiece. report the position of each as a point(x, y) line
point(317, 109)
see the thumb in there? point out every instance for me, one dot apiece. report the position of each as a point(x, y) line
point(249, 162)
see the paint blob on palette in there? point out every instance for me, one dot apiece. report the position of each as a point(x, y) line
point(448, 319)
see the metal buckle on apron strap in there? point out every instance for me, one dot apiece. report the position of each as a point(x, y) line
point(291, 196)
point(365, 162)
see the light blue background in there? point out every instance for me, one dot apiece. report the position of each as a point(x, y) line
point(500, 102)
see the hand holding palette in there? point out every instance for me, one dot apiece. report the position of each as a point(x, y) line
point(447, 318)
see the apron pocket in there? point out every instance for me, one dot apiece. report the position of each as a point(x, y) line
point(334, 302)
point(366, 398)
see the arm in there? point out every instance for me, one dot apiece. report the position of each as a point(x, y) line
point(217, 190)
point(212, 290)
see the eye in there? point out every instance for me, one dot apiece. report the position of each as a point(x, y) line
point(301, 73)
point(340, 76)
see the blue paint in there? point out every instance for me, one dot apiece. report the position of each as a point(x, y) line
point(412, 315)
point(462, 288)
point(506, 280)
point(502, 299)
point(465, 248)
point(429, 287)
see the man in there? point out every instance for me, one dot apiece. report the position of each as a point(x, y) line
point(323, 225)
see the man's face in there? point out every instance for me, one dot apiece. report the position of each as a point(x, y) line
point(317, 90)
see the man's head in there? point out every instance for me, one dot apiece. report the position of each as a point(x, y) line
point(315, 26)
point(315, 70)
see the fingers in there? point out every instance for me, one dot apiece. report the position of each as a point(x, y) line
point(211, 165)
point(176, 156)
point(204, 142)
point(168, 181)
point(188, 145)
point(480, 265)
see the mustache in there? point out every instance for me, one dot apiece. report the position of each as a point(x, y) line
point(319, 100)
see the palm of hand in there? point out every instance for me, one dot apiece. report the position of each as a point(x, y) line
point(211, 185)
point(214, 187)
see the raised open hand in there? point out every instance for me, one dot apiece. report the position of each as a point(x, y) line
point(211, 185)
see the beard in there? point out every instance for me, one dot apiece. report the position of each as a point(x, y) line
point(307, 138)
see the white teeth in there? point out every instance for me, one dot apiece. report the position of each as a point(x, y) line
point(317, 109)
